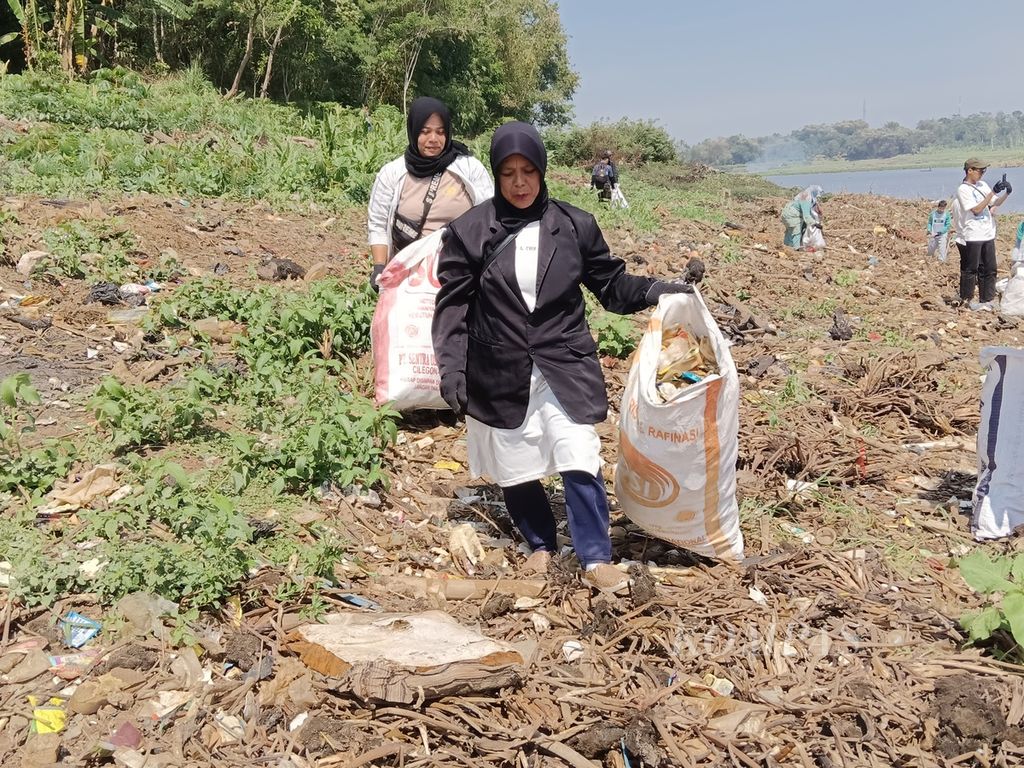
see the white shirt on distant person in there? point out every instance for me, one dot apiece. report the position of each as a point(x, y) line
point(977, 227)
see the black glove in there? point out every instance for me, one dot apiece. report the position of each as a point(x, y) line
point(661, 287)
point(1008, 189)
point(1000, 185)
point(453, 390)
point(374, 274)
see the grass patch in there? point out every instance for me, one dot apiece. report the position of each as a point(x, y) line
point(269, 429)
point(805, 309)
point(846, 278)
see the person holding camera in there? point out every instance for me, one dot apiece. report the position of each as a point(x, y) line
point(978, 257)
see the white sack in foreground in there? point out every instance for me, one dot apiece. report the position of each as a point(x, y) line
point(676, 474)
point(999, 494)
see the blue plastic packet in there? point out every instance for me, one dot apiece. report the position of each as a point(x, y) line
point(78, 629)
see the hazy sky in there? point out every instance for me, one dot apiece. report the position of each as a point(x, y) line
point(755, 67)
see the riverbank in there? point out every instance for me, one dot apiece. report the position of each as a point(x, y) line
point(928, 158)
point(903, 184)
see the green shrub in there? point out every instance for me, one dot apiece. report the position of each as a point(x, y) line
point(633, 142)
point(1001, 581)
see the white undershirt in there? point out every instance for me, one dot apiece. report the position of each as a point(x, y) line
point(527, 244)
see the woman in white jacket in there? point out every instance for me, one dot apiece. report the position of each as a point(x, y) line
point(433, 183)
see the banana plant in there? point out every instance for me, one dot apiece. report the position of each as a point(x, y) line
point(31, 22)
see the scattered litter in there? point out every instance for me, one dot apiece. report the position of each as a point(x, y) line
point(164, 704)
point(572, 650)
point(96, 483)
point(465, 547)
point(405, 657)
point(684, 360)
point(357, 493)
point(231, 728)
point(77, 630)
point(710, 685)
point(795, 530)
point(49, 717)
point(360, 602)
point(104, 293)
point(757, 596)
point(801, 489)
point(135, 289)
point(127, 316)
point(318, 271)
point(261, 670)
point(452, 466)
point(74, 665)
point(126, 736)
point(527, 603)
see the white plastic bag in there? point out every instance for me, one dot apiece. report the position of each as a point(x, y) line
point(618, 199)
point(1012, 301)
point(676, 474)
point(405, 368)
point(999, 494)
point(813, 238)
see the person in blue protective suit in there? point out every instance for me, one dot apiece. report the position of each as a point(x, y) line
point(939, 221)
point(797, 215)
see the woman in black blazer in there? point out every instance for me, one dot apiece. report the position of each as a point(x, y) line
point(515, 353)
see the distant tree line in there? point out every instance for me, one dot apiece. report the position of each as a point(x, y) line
point(488, 59)
point(856, 140)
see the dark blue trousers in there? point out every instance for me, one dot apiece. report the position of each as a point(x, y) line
point(586, 507)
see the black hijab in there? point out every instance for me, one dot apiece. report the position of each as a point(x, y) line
point(516, 138)
point(419, 112)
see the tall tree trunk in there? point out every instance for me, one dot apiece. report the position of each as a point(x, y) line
point(63, 27)
point(158, 52)
point(410, 70)
point(270, 62)
point(249, 38)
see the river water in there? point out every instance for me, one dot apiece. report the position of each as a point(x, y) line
point(907, 184)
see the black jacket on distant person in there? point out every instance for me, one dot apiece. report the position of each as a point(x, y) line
point(482, 326)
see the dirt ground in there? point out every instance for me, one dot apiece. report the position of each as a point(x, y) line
point(835, 643)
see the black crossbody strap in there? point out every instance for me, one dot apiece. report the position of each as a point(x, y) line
point(435, 184)
point(500, 247)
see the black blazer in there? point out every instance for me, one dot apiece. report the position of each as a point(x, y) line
point(482, 327)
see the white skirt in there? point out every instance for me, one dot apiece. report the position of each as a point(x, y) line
point(548, 442)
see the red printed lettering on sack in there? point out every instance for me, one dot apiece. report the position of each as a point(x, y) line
point(425, 272)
